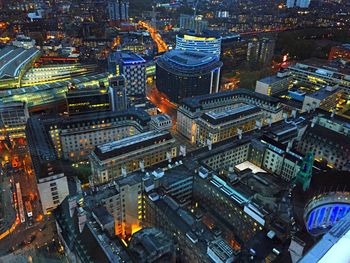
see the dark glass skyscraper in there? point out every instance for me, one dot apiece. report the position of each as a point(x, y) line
point(118, 10)
point(182, 74)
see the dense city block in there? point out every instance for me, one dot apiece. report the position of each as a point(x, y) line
point(156, 131)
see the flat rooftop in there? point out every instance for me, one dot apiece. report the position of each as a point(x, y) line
point(322, 93)
point(102, 215)
point(72, 93)
point(126, 57)
point(322, 69)
point(13, 59)
point(52, 86)
point(129, 144)
point(272, 79)
point(188, 58)
point(245, 165)
point(198, 101)
point(220, 117)
point(161, 117)
point(132, 114)
point(15, 104)
point(332, 137)
point(225, 113)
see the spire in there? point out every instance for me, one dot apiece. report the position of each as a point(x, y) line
point(305, 173)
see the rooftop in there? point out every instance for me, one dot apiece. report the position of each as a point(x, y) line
point(52, 86)
point(86, 92)
point(102, 215)
point(126, 57)
point(199, 101)
point(188, 58)
point(92, 244)
point(225, 115)
point(175, 175)
point(96, 196)
point(322, 94)
point(197, 232)
point(161, 117)
point(13, 59)
point(272, 79)
point(151, 245)
point(14, 104)
point(329, 135)
point(64, 121)
point(322, 68)
point(132, 179)
point(129, 144)
point(41, 148)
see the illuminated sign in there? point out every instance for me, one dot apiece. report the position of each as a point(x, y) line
point(195, 38)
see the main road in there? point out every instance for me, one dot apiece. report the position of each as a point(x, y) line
point(161, 45)
point(18, 169)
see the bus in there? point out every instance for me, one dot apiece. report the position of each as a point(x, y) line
point(20, 203)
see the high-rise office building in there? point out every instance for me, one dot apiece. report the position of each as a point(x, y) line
point(303, 3)
point(117, 91)
point(123, 200)
point(298, 3)
point(290, 3)
point(87, 233)
point(193, 23)
point(118, 10)
point(272, 85)
point(260, 51)
point(182, 74)
point(132, 67)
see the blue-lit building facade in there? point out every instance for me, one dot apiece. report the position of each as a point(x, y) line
point(324, 210)
point(209, 45)
point(132, 67)
point(182, 74)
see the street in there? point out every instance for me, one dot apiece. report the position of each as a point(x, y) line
point(165, 106)
point(37, 230)
point(161, 45)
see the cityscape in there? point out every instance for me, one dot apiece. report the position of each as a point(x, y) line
point(156, 131)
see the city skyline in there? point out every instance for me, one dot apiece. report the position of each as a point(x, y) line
point(174, 131)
